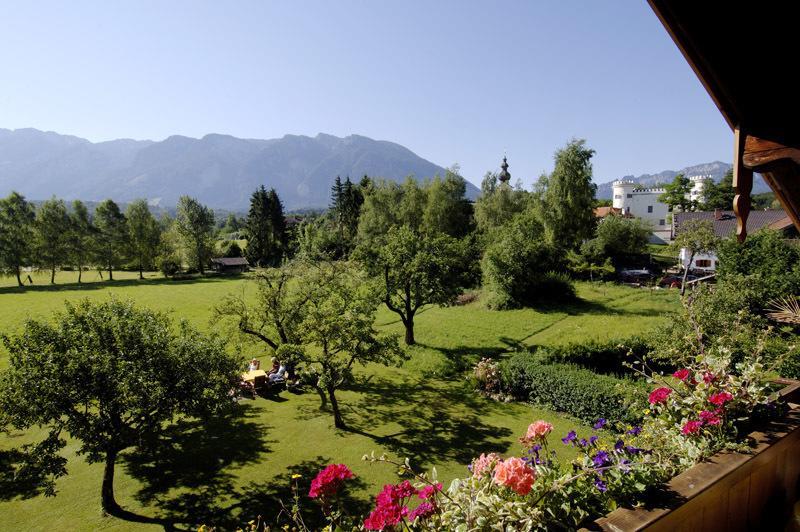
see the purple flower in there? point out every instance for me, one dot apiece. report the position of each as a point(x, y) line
point(599, 424)
point(623, 465)
point(582, 442)
point(600, 459)
point(570, 437)
point(634, 431)
point(593, 439)
point(619, 445)
point(600, 485)
point(633, 450)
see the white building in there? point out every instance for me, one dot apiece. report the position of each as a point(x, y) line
point(643, 203)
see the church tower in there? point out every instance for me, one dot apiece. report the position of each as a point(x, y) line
point(504, 176)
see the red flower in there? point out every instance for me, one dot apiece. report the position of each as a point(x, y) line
point(708, 377)
point(429, 491)
point(389, 509)
point(425, 509)
point(710, 418)
point(659, 395)
point(681, 374)
point(720, 398)
point(329, 480)
point(691, 427)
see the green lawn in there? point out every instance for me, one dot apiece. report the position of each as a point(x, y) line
point(424, 410)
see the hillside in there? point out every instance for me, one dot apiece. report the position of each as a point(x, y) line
point(219, 170)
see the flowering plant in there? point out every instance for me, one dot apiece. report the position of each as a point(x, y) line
point(486, 376)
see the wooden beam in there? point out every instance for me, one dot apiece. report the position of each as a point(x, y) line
point(760, 152)
point(742, 184)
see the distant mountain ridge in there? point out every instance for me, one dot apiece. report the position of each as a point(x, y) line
point(219, 170)
point(716, 170)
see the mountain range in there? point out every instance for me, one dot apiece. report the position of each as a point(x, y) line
point(219, 170)
point(715, 170)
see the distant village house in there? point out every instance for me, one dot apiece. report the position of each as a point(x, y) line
point(230, 265)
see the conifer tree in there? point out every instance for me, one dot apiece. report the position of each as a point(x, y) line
point(81, 235)
point(257, 225)
point(111, 236)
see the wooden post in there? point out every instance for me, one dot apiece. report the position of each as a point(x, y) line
point(742, 184)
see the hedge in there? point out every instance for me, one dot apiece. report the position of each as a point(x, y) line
point(572, 389)
point(602, 356)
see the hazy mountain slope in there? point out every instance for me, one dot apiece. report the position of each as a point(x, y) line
point(219, 170)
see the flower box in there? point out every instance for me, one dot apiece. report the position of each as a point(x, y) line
point(730, 491)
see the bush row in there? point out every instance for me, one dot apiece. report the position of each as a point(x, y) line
point(572, 389)
point(601, 356)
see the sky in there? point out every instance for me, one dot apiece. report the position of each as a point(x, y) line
point(454, 81)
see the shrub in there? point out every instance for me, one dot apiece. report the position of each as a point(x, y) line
point(571, 389)
point(601, 356)
point(518, 267)
point(169, 265)
point(486, 376)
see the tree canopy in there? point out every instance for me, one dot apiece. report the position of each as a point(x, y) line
point(195, 225)
point(16, 233)
point(677, 194)
point(108, 375)
point(145, 235)
point(112, 237)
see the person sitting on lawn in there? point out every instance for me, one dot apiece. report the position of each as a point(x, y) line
point(254, 365)
point(275, 366)
point(278, 376)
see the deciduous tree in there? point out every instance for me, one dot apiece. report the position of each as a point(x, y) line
point(111, 238)
point(108, 375)
point(81, 236)
point(696, 237)
point(676, 194)
point(145, 235)
point(16, 233)
point(52, 235)
point(195, 225)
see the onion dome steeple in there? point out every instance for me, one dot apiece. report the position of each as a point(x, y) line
point(504, 176)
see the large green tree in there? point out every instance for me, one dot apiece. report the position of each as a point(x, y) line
point(109, 376)
point(145, 235)
point(416, 269)
point(447, 209)
point(719, 196)
point(81, 237)
point(337, 329)
point(52, 235)
point(497, 205)
point(16, 233)
point(112, 239)
point(195, 225)
point(677, 194)
point(620, 237)
point(266, 229)
point(567, 195)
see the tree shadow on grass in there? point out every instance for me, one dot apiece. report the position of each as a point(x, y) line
point(186, 471)
point(99, 285)
point(436, 422)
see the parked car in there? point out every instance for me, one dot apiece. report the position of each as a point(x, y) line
point(674, 280)
point(642, 275)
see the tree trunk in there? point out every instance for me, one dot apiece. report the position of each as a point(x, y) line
point(19, 280)
point(686, 273)
point(322, 397)
point(338, 422)
point(80, 273)
point(409, 331)
point(110, 273)
point(107, 500)
point(141, 274)
point(53, 274)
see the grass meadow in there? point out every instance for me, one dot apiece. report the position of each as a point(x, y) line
point(234, 469)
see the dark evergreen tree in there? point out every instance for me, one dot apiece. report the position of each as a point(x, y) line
point(111, 238)
point(259, 230)
point(277, 221)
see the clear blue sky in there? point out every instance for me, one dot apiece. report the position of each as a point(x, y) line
point(454, 81)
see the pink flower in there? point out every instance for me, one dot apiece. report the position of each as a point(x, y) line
point(710, 418)
point(389, 509)
point(425, 509)
point(659, 395)
point(429, 491)
point(681, 374)
point(709, 377)
point(329, 480)
point(484, 463)
point(720, 398)
point(514, 473)
point(538, 430)
point(691, 427)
